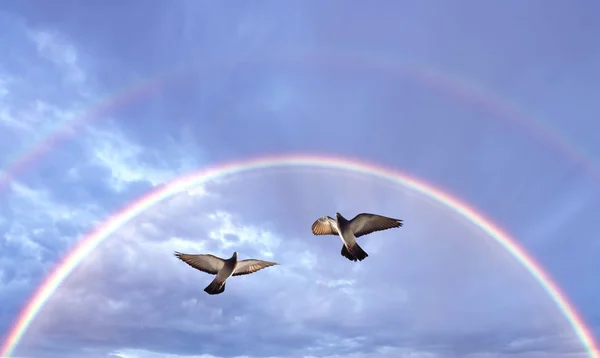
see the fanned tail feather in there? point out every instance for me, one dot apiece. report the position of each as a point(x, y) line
point(357, 253)
point(214, 288)
point(347, 254)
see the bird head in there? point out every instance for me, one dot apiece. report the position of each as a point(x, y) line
point(234, 255)
point(338, 215)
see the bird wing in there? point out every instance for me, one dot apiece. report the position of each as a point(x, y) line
point(204, 262)
point(246, 267)
point(325, 225)
point(364, 224)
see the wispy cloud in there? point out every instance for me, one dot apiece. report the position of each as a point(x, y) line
point(436, 288)
point(314, 302)
point(61, 53)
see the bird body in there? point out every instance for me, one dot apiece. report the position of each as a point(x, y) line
point(347, 235)
point(348, 230)
point(222, 268)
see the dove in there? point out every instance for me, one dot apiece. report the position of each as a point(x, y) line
point(222, 268)
point(348, 230)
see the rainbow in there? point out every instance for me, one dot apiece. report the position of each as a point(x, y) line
point(427, 76)
point(67, 130)
point(91, 241)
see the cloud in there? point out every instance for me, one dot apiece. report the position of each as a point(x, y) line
point(435, 288)
point(63, 54)
point(131, 162)
point(72, 185)
point(132, 295)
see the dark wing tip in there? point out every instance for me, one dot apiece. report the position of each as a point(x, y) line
point(395, 222)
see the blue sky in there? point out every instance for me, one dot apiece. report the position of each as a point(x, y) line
point(249, 79)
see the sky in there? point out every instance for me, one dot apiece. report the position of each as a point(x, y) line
point(495, 105)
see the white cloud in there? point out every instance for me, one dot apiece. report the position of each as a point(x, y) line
point(264, 241)
point(139, 353)
point(308, 288)
point(4, 82)
point(30, 109)
point(112, 150)
point(33, 117)
point(152, 238)
point(57, 49)
point(134, 282)
point(30, 204)
point(34, 216)
point(128, 161)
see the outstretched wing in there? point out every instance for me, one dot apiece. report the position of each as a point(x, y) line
point(364, 224)
point(325, 225)
point(246, 267)
point(204, 262)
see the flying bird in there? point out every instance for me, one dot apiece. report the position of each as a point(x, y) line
point(348, 231)
point(223, 268)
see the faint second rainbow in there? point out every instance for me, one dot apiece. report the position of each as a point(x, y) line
point(70, 127)
point(425, 75)
point(117, 220)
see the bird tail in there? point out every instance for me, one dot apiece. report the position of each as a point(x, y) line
point(214, 288)
point(355, 253)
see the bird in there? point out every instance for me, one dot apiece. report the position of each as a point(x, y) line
point(362, 224)
point(222, 268)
